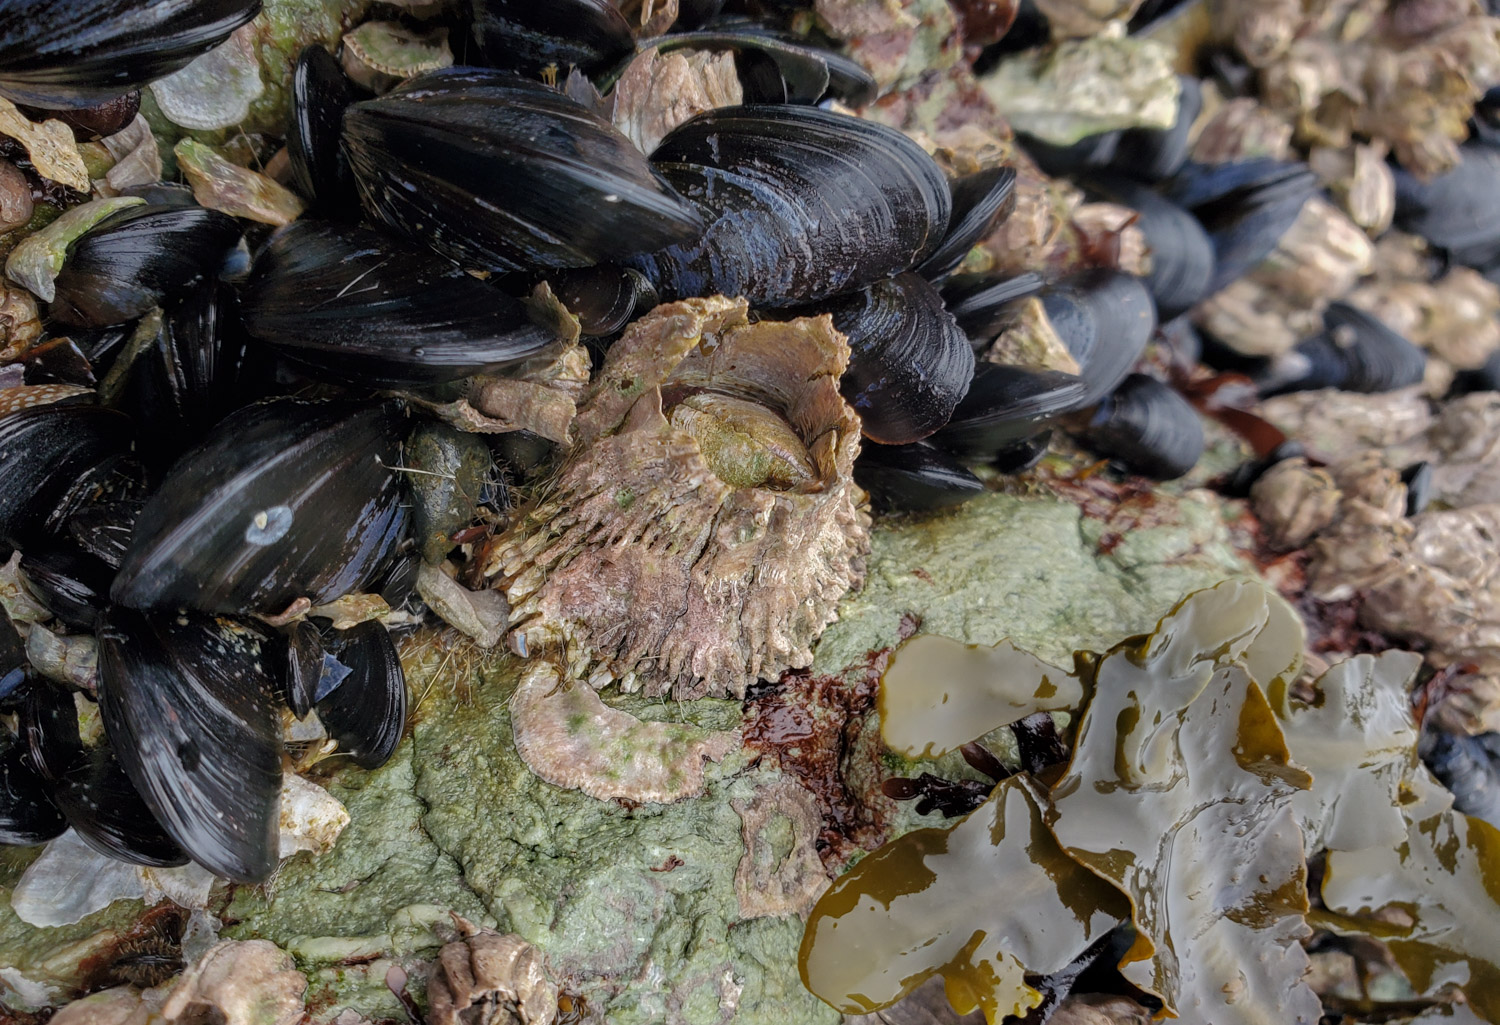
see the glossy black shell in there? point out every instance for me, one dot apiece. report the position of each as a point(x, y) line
point(506, 174)
point(86, 51)
point(530, 37)
point(47, 455)
point(192, 716)
point(352, 305)
point(284, 499)
point(801, 204)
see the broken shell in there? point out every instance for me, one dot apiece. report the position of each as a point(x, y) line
point(569, 737)
point(648, 563)
point(239, 983)
point(483, 975)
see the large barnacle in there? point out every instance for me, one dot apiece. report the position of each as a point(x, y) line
point(706, 524)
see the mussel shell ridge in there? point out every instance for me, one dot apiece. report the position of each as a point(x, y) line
point(191, 713)
point(285, 499)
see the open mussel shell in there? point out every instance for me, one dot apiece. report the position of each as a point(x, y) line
point(982, 303)
point(980, 202)
point(1008, 405)
point(1245, 207)
point(366, 714)
point(909, 364)
point(191, 713)
point(49, 458)
point(914, 478)
point(1105, 318)
point(140, 258)
point(507, 174)
point(73, 584)
point(1182, 254)
point(1147, 428)
point(350, 304)
point(321, 92)
point(92, 50)
point(1456, 211)
point(530, 37)
point(27, 814)
point(807, 73)
point(89, 787)
point(284, 499)
point(801, 204)
point(1355, 352)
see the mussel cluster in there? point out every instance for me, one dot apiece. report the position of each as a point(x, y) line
point(201, 459)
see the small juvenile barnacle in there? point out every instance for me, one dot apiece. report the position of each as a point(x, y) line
point(706, 523)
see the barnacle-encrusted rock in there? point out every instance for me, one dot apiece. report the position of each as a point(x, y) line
point(660, 91)
point(1335, 425)
point(706, 524)
point(239, 983)
point(484, 978)
point(568, 736)
point(1293, 501)
point(780, 872)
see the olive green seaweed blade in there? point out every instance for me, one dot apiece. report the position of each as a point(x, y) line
point(983, 904)
point(939, 694)
point(1179, 792)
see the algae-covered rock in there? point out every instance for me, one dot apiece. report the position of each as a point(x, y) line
point(645, 912)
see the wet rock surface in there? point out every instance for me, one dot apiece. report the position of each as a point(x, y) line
point(651, 912)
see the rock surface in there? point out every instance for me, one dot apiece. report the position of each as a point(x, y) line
point(636, 908)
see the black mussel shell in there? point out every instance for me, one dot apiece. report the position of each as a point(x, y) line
point(530, 37)
point(87, 51)
point(305, 655)
point(801, 204)
point(73, 584)
point(1007, 405)
point(980, 202)
point(191, 713)
point(89, 786)
point(1148, 429)
point(1418, 480)
point(321, 92)
point(914, 478)
point(1245, 207)
point(104, 529)
point(1151, 154)
point(1484, 378)
point(27, 814)
point(1090, 154)
point(1456, 211)
point(909, 364)
point(58, 361)
point(139, 258)
point(507, 174)
point(185, 377)
point(1468, 766)
point(49, 458)
point(1182, 254)
point(350, 304)
point(603, 298)
point(285, 499)
point(1355, 351)
point(366, 713)
point(981, 303)
point(1106, 318)
point(693, 13)
point(807, 73)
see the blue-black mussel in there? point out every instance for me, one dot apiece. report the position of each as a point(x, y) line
point(507, 174)
point(800, 204)
point(88, 51)
point(239, 524)
point(350, 304)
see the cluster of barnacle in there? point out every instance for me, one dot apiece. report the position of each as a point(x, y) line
point(1169, 843)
